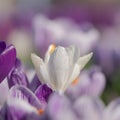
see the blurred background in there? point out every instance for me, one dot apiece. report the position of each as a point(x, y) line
point(31, 25)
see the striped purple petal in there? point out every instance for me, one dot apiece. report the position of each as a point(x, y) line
point(17, 75)
point(23, 93)
point(43, 92)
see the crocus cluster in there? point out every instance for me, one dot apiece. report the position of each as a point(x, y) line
point(56, 92)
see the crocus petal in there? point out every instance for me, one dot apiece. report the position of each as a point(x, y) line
point(73, 76)
point(40, 68)
point(59, 62)
point(3, 86)
point(16, 109)
point(17, 75)
point(7, 60)
point(43, 92)
point(82, 61)
point(23, 93)
point(35, 83)
point(2, 46)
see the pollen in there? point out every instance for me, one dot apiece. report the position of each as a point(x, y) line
point(40, 111)
point(52, 48)
point(75, 81)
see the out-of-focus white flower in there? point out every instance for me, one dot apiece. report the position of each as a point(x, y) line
point(60, 67)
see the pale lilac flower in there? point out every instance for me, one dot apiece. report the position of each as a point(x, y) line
point(107, 51)
point(112, 111)
point(91, 82)
point(63, 31)
point(60, 67)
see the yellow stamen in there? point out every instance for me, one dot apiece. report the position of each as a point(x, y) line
point(40, 111)
point(52, 48)
point(75, 81)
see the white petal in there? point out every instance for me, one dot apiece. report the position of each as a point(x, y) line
point(82, 61)
point(75, 73)
point(37, 61)
point(73, 53)
point(70, 51)
point(41, 69)
point(21, 105)
point(59, 67)
point(43, 72)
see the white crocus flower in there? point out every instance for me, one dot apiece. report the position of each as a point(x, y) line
point(60, 67)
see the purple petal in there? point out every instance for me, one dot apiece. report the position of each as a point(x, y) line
point(7, 60)
point(17, 75)
point(16, 109)
point(43, 92)
point(2, 46)
point(23, 93)
point(35, 83)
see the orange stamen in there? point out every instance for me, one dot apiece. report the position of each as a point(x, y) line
point(75, 81)
point(40, 111)
point(52, 48)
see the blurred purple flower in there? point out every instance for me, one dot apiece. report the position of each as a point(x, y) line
point(17, 75)
point(7, 59)
point(64, 32)
point(112, 111)
point(84, 108)
point(91, 82)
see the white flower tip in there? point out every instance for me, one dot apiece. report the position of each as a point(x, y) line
point(82, 61)
point(36, 60)
point(90, 55)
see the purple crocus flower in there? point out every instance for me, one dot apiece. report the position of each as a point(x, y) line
point(91, 82)
point(20, 103)
point(17, 75)
point(7, 59)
